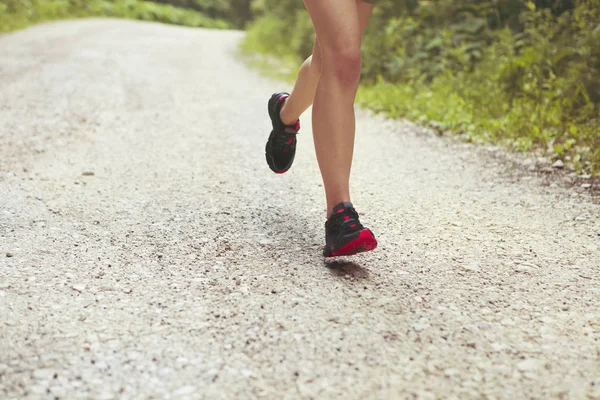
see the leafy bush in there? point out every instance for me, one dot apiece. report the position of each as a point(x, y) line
point(15, 14)
point(236, 12)
point(522, 73)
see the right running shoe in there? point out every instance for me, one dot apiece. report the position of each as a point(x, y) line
point(280, 150)
point(345, 235)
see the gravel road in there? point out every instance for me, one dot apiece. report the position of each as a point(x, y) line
point(147, 251)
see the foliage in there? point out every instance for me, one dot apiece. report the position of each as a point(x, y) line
point(15, 14)
point(237, 12)
point(523, 73)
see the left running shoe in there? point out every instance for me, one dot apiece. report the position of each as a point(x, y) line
point(281, 146)
point(345, 235)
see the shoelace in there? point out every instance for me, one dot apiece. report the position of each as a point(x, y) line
point(285, 141)
point(338, 220)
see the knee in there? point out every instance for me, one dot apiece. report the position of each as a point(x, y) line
point(346, 64)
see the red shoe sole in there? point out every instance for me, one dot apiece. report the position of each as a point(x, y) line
point(364, 242)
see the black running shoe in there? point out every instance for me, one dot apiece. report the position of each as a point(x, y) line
point(345, 235)
point(281, 146)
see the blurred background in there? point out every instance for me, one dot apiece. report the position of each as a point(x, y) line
point(523, 74)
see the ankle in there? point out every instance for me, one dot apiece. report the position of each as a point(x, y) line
point(284, 116)
point(331, 206)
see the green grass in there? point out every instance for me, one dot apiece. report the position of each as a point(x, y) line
point(542, 98)
point(18, 14)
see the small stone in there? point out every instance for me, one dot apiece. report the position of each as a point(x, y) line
point(128, 291)
point(38, 390)
point(80, 287)
point(43, 374)
point(472, 268)
point(238, 281)
point(558, 164)
point(523, 268)
point(189, 389)
point(498, 346)
point(421, 325)
point(9, 255)
point(586, 185)
point(529, 364)
point(88, 173)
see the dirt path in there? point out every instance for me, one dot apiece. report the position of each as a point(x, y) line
point(148, 252)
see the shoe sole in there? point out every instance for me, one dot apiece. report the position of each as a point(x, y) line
point(269, 159)
point(364, 242)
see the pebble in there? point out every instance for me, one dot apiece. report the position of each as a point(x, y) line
point(586, 185)
point(558, 164)
point(529, 364)
point(88, 173)
point(523, 268)
point(58, 391)
point(9, 255)
point(499, 346)
point(472, 268)
point(421, 325)
point(38, 389)
point(80, 287)
point(43, 374)
point(185, 390)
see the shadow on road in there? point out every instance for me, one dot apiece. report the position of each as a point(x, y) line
point(343, 268)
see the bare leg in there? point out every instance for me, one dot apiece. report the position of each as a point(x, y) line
point(303, 94)
point(304, 90)
point(338, 27)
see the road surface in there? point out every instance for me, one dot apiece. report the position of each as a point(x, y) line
point(147, 251)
